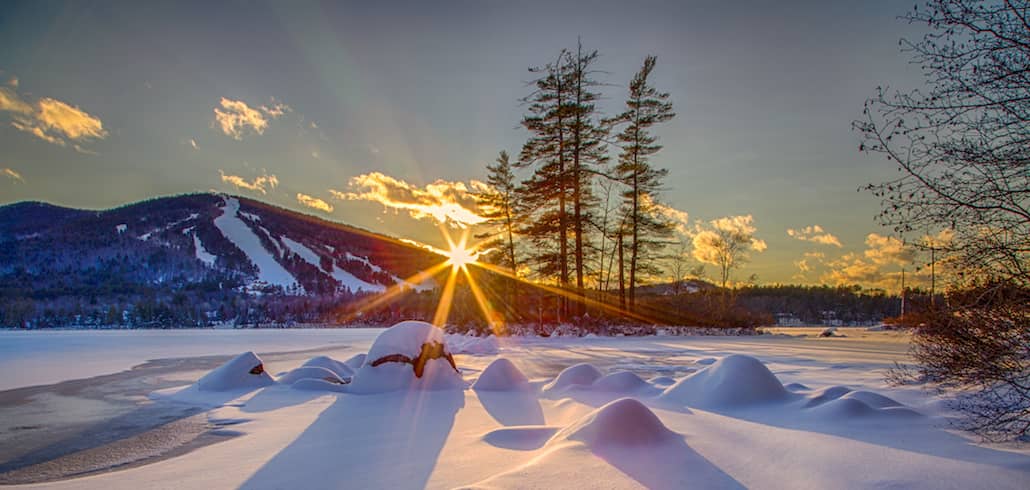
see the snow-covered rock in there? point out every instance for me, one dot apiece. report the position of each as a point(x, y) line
point(243, 371)
point(579, 374)
point(733, 381)
point(623, 422)
point(408, 355)
point(501, 375)
point(341, 369)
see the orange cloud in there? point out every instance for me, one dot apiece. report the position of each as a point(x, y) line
point(51, 120)
point(12, 174)
point(713, 245)
point(259, 184)
point(878, 266)
point(442, 201)
point(314, 202)
point(235, 116)
point(816, 234)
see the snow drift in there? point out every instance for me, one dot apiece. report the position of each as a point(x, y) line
point(619, 382)
point(309, 372)
point(733, 381)
point(501, 375)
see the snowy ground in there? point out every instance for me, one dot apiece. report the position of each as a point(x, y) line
point(706, 418)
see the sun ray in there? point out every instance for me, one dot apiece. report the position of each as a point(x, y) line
point(443, 308)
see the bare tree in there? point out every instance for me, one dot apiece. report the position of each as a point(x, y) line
point(962, 147)
point(727, 244)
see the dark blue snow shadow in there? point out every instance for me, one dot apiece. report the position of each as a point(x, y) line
point(675, 465)
point(396, 443)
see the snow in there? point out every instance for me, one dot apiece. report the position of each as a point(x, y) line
point(465, 344)
point(303, 251)
point(351, 282)
point(309, 372)
point(405, 338)
point(121, 228)
point(578, 375)
point(862, 433)
point(202, 254)
point(619, 382)
point(733, 381)
point(501, 375)
point(236, 231)
point(243, 371)
point(408, 340)
point(341, 369)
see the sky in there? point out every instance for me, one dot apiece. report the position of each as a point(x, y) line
point(382, 114)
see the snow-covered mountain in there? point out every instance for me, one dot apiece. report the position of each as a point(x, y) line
point(186, 241)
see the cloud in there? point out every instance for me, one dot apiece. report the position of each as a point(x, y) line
point(314, 202)
point(442, 201)
point(726, 238)
point(680, 219)
point(51, 120)
point(12, 174)
point(879, 265)
point(816, 234)
point(235, 116)
point(259, 184)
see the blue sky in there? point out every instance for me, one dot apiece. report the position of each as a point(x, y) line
point(423, 91)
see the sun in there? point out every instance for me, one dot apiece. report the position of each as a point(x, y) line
point(459, 256)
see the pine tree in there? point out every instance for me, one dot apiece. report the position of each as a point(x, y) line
point(543, 206)
point(647, 231)
point(497, 204)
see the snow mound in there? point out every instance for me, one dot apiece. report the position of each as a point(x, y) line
point(706, 361)
point(501, 375)
point(847, 408)
point(619, 382)
point(623, 422)
point(796, 387)
point(243, 371)
point(733, 381)
point(462, 344)
point(309, 372)
point(341, 369)
point(873, 399)
point(410, 355)
point(315, 384)
point(827, 394)
point(405, 338)
point(579, 374)
point(355, 361)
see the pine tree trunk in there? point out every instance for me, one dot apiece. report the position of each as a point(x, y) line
point(622, 273)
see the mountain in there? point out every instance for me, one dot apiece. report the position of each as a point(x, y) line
point(214, 256)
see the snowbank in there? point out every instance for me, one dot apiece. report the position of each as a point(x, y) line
point(501, 375)
point(355, 361)
point(733, 381)
point(619, 382)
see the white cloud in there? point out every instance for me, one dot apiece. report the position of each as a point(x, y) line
point(235, 117)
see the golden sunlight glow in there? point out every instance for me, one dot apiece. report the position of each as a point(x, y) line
point(459, 255)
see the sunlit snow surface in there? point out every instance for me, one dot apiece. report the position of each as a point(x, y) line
point(667, 412)
point(233, 228)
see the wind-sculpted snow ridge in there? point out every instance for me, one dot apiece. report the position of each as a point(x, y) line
point(733, 381)
point(309, 372)
point(623, 422)
point(840, 403)
point(408, 355)
point(501, 375)
point(241, 372)
point(341, 369)
point(582, 374)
